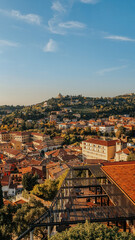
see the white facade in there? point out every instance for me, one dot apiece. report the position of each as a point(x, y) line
point(107, 129)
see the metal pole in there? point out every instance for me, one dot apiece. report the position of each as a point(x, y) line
point(108, 201)
point(101, 202)
point(124, 226)
point(49, 229)
point(31, 235)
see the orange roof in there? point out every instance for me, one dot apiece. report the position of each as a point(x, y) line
point(20, 133)
point(21, 201)
point(125, 150)
point(11, 151)
point(7, 202)
point(102, 142)
point(5, 181)
point(37, 134)
point(50, 152)
point(25, 170)
point(51, 164)
point(123, 174)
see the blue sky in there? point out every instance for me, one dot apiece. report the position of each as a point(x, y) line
point(70, 46)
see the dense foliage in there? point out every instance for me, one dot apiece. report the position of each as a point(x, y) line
point(93, 231)
point(29, 181)
point(131, 157)
point(14, 220)
point(47, 190)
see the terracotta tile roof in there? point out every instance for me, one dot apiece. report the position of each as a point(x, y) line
point(3, 132)
point(34, 162)
point(21, 201)
point(117, 163)
point(20, 133)
point(50, 152)
point(123, 174)
point(11, 151)
point(51, 165)
point(39, 147)
point(37, 134)
point(58, 170)
point(102, 142)
point(5, 181)
point(25, 170)
point(31, 149)
point(125, 150)
point(7, 202)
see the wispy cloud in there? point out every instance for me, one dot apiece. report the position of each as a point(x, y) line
point(108, 70)
point(56, 24)
point(120, 38)
point(51, 46)
point(53, 25)
point(90, 1)
point(57, 6)
point(72, 24)
point(58, 27)
point(6, 43)
point(29, 18)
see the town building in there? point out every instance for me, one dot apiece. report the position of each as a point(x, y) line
point(98, 149)
point(106, 128)
point(22, 137)
point(4, 136)
point(39, 136)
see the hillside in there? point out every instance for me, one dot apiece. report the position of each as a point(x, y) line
point(87, 107)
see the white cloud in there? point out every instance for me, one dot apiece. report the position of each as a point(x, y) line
point(51, 46)
point(56, 24)
point(53, 25)
point(57, 27)
point(6, 43)
point(90, 1)
point(120, 38)
point(108, 70)
point(29, 18)
point(57, 6)
point(72, 24)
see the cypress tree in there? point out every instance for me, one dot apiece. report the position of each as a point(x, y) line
point(1, 196)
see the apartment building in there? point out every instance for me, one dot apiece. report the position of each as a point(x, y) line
point(53, 118)
point(22, 137)
point(98, 149)
point(106, 128)
point(39, 136)
point(4, 136)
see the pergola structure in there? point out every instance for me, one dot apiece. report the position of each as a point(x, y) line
point(92, 197)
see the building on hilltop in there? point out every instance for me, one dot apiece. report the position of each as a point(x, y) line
point(60, 95)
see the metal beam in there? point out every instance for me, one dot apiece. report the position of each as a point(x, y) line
point(114, 219)
point(80, 168)
point(75, 212)
point(111, 209)
point(82, 186)
point(83, 196)
point(88, 178)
